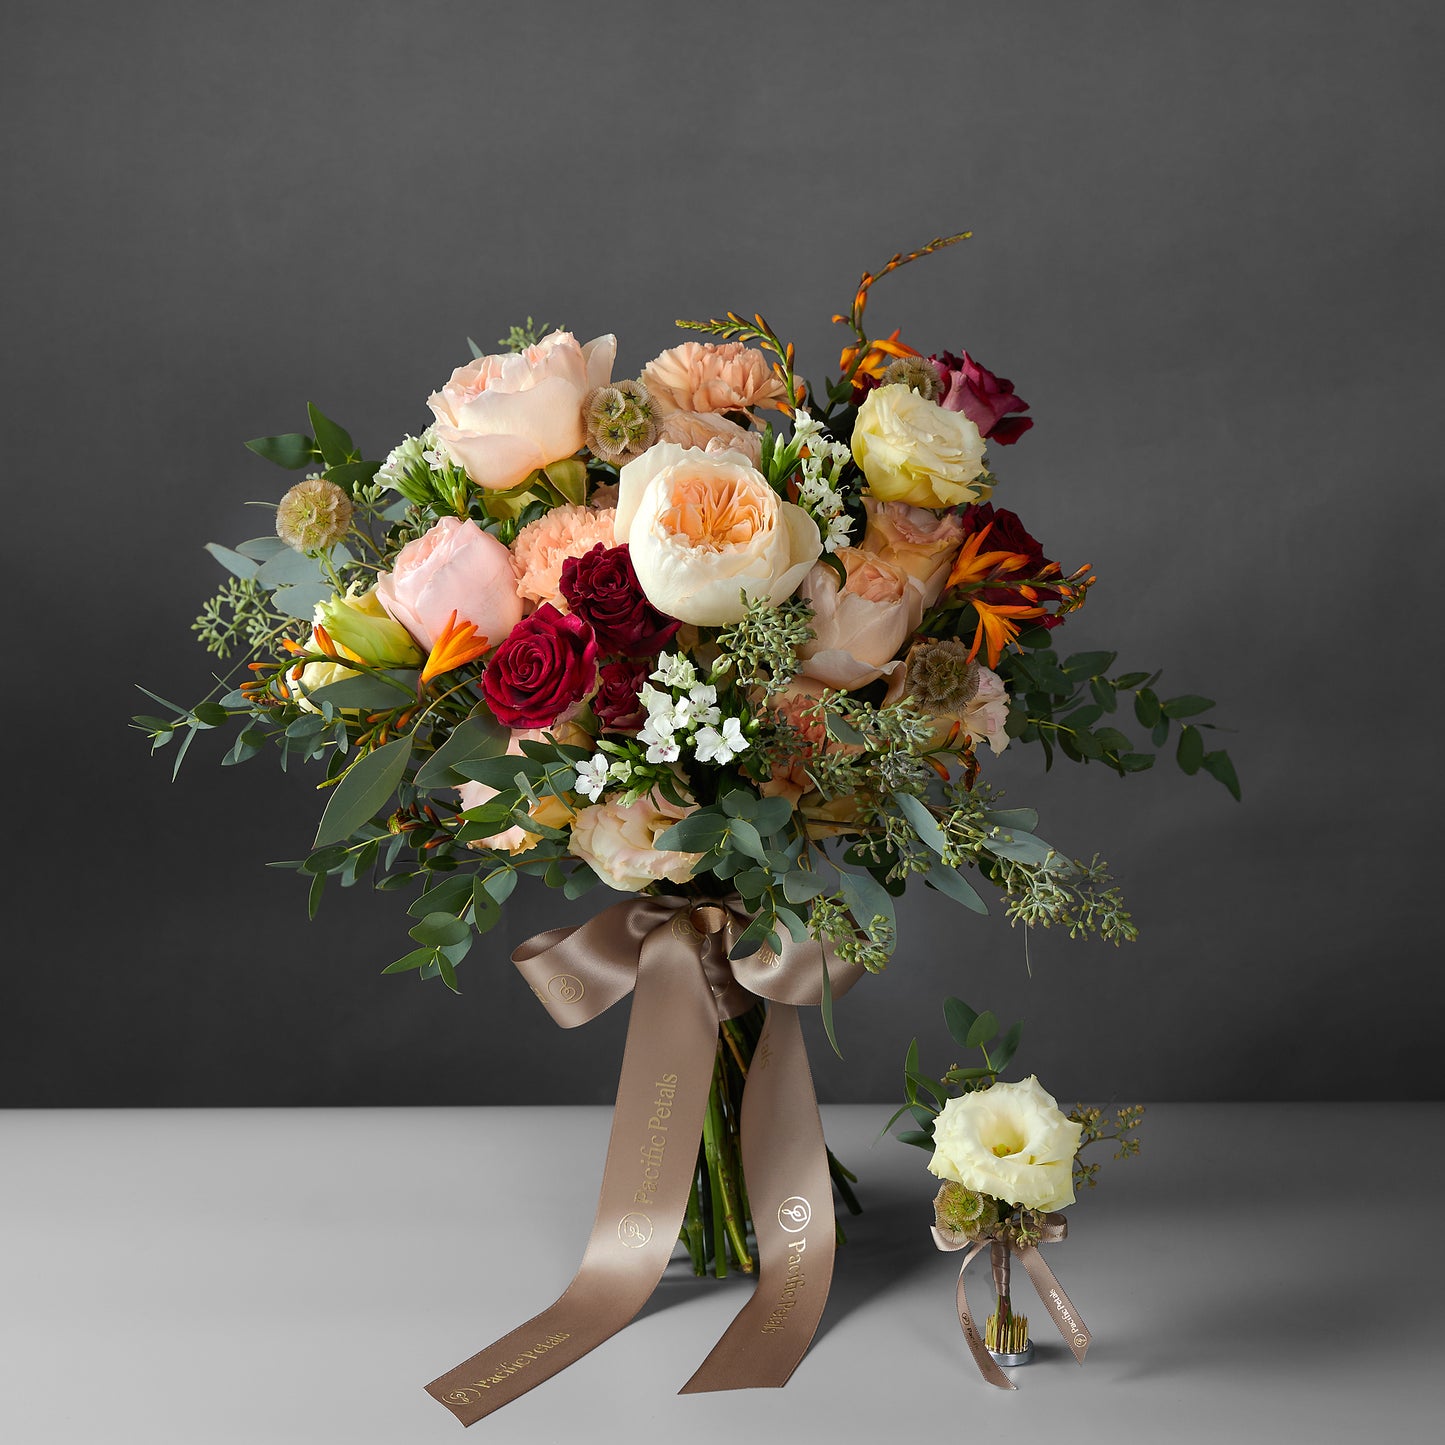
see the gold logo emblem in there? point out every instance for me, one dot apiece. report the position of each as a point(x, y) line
point(634, 1230)
point(565, 988)
point(1081, 1340)
point(682, 929)
point(794, 1214)
point(464, 1396)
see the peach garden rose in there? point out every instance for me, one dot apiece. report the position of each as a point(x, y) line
point(502, 417)
point(707, 534)
point(858, 627)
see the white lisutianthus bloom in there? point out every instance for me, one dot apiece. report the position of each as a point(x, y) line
point(714, 746)
point(1011, 1141)
point(592, 777)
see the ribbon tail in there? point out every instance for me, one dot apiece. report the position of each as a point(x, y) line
point(988, 1367)
point(1061, 1310)
point(785, 1163)
point(667, 1068)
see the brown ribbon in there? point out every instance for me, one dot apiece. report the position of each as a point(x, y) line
point(1060, 1307)
point(672, 956)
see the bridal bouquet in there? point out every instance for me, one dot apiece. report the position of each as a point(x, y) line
point(1010, 1160)
point(705, 633)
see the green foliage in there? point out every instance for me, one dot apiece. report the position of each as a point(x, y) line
point(239, 617)
point(1069, 705)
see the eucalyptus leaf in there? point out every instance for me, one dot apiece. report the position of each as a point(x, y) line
point(234, 562)
point(370, 691)
point(291, 450)
point(959, 1018)
point(956, 886)
point(440, 929)
point(1190, 752)
point(1218, 765)
point(981, 1031)
point(363, 791)
point(924, 823)
point(332, 441)
point(475, 738)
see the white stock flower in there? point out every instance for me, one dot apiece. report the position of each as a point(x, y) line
point(1011, 1141)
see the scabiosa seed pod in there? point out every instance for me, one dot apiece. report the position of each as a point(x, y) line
point(619, 420)
point(916, 372)
point(961, 1211)
point(313, 515)
point(939, 676)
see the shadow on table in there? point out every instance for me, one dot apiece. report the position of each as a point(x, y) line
point(880, 1255)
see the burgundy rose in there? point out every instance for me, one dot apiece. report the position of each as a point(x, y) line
point(1009, 535)
point(602, 587)
point(547, 663)
point(985, 399)
point(616, 703)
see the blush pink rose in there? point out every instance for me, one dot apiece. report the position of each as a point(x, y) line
point(857, 628)
point(708, 432)
point(501, 417)
point(920, 541)
point(455, 567)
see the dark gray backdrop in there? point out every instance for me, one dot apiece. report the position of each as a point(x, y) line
point(1208, 242)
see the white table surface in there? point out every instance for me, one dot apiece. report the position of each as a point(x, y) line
point(263, 1277)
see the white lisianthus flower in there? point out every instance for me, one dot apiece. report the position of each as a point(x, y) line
point(1011, 1141)
point(912, 450)
point(707, 534)
point(674, 669)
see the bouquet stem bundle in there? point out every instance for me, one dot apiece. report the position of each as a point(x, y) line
point(718, 1226)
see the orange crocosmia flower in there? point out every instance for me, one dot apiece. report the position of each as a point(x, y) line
point(876, 359)
point(997, 626)
point(975, 566)
point(457, 645)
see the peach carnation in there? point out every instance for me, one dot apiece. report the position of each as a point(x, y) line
point(703, 376)
point(541, 547)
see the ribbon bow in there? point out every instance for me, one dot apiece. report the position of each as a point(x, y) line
point(672, 956)
point(1061, 1310)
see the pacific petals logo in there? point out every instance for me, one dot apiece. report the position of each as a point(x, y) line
point(634, 1230)
point(565, 987)
point(795, 1214)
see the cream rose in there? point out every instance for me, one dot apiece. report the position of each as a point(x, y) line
point(705, 529)
point(1011, 1141)
point(619, 843)
point(921, 542)
point(911, 450)
point(501, 417)
point(455, 567)
point(859, 627)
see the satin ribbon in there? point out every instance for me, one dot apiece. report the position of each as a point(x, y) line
point(1056, 1302)
point(672, 956)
